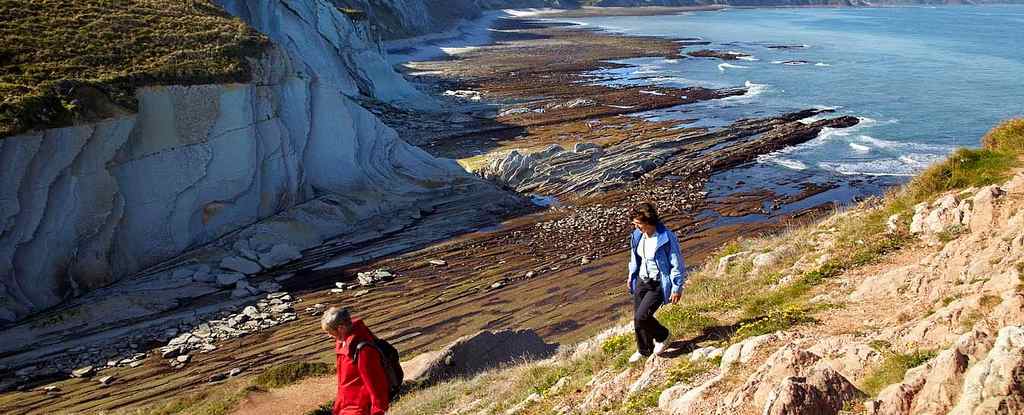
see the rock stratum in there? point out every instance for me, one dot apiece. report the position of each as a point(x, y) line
point(88, 205)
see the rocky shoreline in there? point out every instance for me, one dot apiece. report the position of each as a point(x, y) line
point(510, 276)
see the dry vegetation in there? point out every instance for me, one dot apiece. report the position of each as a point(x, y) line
point(51, 49)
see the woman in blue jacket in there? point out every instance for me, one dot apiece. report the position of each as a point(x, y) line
point(656, 276)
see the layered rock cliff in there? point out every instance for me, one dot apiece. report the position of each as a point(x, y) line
point(87, 205)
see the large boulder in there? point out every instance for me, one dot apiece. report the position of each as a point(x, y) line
point(823, 391)
point(473, 354)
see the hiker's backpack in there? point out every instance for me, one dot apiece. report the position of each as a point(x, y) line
point(390, 361)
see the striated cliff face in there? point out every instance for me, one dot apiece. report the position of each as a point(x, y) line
point(83, 206)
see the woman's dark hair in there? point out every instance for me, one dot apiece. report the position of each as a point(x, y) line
point(646, 213)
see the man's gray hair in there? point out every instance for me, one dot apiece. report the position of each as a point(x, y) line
point(335, 317)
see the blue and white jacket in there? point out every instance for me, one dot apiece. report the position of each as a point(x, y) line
point(668, 257)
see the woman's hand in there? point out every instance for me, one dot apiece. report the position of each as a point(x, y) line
point(674, 299)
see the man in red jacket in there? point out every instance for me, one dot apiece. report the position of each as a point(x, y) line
point(362, 388)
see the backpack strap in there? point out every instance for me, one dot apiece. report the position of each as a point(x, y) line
point(359, 347)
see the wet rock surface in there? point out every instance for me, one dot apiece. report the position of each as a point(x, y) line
point(685, 157)
point(723, 55)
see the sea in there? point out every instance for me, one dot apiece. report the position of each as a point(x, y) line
point(922, 80)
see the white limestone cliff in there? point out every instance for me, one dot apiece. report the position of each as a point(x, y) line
point(84, 206)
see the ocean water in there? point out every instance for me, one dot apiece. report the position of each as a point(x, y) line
point(923, 80)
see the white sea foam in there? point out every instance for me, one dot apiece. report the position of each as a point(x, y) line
point(671, 61)
point(789, 163)
point(859, 148)
point(748, 58)
point(528, 12)
point(723, 66)
point(754, 89)
point(884, 167)
point(822, 64)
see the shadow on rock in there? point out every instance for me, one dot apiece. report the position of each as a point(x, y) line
point(684, 346)
point(473, 354)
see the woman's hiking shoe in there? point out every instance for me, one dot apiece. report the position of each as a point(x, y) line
point(635, 357)
point(659, 347)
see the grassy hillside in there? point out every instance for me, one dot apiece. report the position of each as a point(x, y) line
point(723, 305)
point(54, 54)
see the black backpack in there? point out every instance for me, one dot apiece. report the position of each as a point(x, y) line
point(390, 361)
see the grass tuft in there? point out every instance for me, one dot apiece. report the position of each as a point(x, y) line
point(1007, 137)
point(893, 368)
point(289, 373)
point(686, 371)
point(964, 168)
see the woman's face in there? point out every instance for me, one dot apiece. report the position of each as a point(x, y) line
point(644, 227)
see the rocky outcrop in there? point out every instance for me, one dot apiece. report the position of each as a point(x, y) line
point(473, 354)
point(589, 169)
point(88, 205)
point(980, 374)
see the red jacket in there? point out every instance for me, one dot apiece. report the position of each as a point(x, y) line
point(362, 390)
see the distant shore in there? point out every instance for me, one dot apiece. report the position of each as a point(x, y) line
point(629, 11)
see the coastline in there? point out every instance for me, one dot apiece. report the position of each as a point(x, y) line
point(569, 299)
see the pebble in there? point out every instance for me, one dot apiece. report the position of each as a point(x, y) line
point(438, 262)
point(183, 358)
point(106, 380)
point(83, 372)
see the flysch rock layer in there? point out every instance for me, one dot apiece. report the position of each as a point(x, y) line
point(589, 168)
point(84, 206)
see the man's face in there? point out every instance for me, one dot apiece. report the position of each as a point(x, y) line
point(340, 332)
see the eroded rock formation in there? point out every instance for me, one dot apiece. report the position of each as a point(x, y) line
point(85, 206)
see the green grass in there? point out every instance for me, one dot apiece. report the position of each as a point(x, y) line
point(222, 399)
point(686, 371)
point(964, 168)
point(55, 52)
point(639, 402)
point(214, 401)
point(289, 373)
point(893, 368)
point(1007, 137)
point(544, 377)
